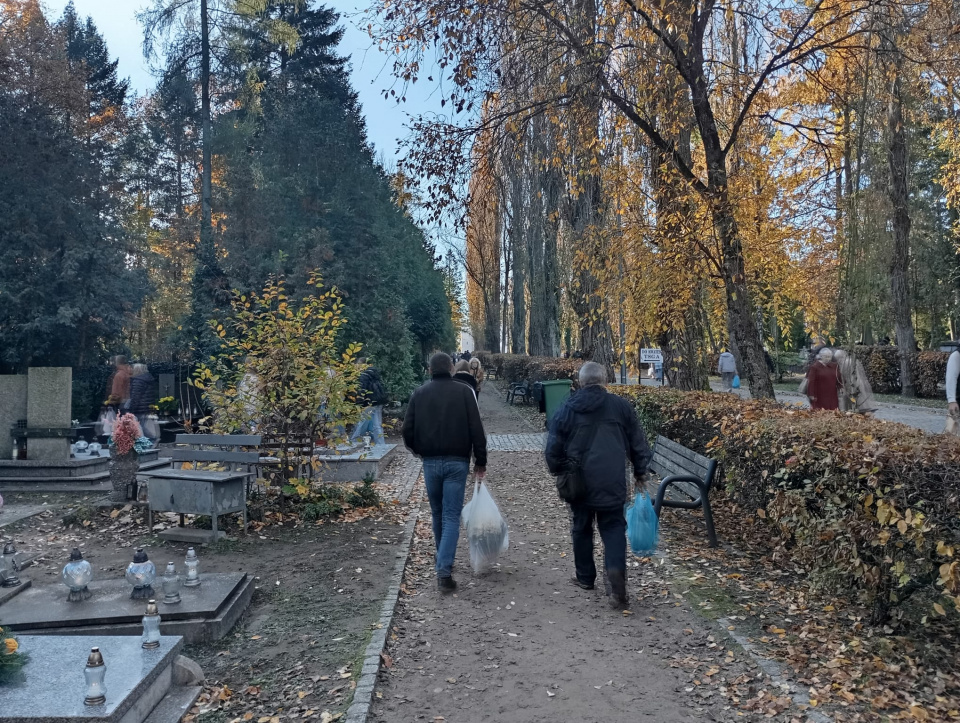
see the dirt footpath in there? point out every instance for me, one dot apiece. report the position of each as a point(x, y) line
point(521, 644)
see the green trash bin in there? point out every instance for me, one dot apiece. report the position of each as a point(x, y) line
point(555, 393)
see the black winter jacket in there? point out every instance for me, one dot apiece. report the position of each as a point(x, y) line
point(443, 420)
point(466, 378)
point(142, 394)
point(618, 436)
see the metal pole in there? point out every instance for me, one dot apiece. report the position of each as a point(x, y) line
point(623, 331)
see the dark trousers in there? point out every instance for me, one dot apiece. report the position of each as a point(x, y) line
point(613, 531)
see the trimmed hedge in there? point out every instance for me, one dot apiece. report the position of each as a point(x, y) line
point(870, 509)
point(520, 367)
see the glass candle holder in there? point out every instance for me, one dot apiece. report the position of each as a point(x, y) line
point(171, 585)
point(9, 566)
point(95, 676)
point(151, 627)
point(141, 573)
point(76, 575)
point(193, 569)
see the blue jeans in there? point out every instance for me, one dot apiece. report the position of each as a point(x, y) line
point(371, 422)
point(446, 480)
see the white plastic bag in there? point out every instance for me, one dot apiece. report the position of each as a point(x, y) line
point(486, 529)
point(106, 422)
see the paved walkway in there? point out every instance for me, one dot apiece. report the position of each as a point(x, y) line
point(929, 420)
point(521, 644)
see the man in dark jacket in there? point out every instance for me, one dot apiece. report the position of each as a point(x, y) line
point(373, 396)
point(443, 426)
point(601, 430)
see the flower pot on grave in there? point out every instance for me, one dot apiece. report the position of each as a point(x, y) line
point(123, 476)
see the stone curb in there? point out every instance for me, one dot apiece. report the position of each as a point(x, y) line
point(363, 695)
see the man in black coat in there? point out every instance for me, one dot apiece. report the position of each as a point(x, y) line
point(601, 430)
point(443, 426)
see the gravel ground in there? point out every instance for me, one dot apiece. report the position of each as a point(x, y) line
point(522, 644)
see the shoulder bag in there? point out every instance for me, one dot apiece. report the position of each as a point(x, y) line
point(571, 484)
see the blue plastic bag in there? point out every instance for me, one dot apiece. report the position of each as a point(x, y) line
point(736, 381)
point(643, 527)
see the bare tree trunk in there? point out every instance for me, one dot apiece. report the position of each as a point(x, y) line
point(900, 263)
point(206, 208)
point(518, 333)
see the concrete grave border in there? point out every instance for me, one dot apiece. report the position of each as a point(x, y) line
point(363, 694)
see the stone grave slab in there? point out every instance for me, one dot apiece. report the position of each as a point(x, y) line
point(16, 512)
point(13, 407)
point(206, 612)
point(8, 593)
point(353, 466)
point(53, 687)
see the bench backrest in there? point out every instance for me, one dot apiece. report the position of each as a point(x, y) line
point(222, 449)
point(670, 458)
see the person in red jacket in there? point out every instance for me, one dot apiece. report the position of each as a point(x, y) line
point(823, 381)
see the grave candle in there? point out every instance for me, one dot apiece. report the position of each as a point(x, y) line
point(151, 627)
point(141, 573)
point(77, 574)
point(9, 566)
point(193, 569)
point(95, 674)
point(171, 585)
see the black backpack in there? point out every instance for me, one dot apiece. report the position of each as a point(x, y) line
point(373, 390)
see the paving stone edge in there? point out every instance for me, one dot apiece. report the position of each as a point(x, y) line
point(363, 695)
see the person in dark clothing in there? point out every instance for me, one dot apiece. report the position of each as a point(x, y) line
point(143, 395)
point(463, 374)
point(373, 396)
point(443, 426)
point(616, 434)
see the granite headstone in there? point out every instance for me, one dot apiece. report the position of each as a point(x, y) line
point(13, 407)
point(49, 406)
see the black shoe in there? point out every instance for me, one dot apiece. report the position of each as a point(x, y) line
point(617, 589)
point(582, 585)
point(446, 585)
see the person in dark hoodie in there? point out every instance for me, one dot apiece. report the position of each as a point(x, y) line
point(463, 374)
point(443, 426)
point(600, 430)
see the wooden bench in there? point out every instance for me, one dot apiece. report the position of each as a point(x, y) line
point(690, 474)
point(519, 389)
point(200, 491)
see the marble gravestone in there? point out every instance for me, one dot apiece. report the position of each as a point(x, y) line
point(13, 407)
point(49, 406)
point(138, 682)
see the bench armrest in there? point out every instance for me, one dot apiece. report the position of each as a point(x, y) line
point(672, 479)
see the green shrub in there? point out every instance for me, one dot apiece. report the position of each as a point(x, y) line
point(521, 367)
point(870, 509)
point(364, 494)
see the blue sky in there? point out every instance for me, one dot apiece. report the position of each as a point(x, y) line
point(386, 120)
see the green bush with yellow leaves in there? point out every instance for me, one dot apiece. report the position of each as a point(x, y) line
point(869, 509)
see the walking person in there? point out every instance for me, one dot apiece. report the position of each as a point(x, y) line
point(143, 397)
point(727, 366)
point(462, 374)
point(597, 431)
point(952, 383)
point(823, 381)
point(119, 386)
point(856, 393)
point(476, 369)
point(443, 426)
point(373, 395)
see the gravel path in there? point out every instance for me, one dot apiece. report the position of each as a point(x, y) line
point(521, 644)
